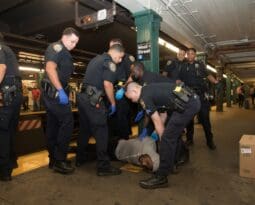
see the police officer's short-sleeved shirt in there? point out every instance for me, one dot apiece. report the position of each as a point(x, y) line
point(157, 95)
point(151, 77)
point(123, 68)
point(173, 68)
point(59, 54)
point(8, 57)
point(100, 69)
point(193, 75)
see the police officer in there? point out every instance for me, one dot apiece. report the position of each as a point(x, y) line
point(120, 124)
point(144, 77)
point(59, 67)
point(194, 74)
point(10, 102)
point(173, 68)
point(171, 97)
point(97, 87)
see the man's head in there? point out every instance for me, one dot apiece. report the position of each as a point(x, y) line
point(137, 70)
point(146, 161)
point(181, 55)
point(115, 41)
point(191, 54)
point(116, 52)
point(133, 91)
point(70, 38)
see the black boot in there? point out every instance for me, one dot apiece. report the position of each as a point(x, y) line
point(154, 182)
point(211, 144)
point(108, 171)
point(5, 178)
point(5, 175)
point(63, 167)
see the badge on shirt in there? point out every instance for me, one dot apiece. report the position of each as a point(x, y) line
point(132, 58)
point(196, 65)
point(142, 104)
point(112, 66)
point(169, 62)
point(57, 47)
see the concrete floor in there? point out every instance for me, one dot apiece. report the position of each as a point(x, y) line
point(211, 177)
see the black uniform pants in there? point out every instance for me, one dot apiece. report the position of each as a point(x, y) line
point(9, 118)
point(122, 124)
point(204, 116)
point(93, 122)
point(59, 128)
point(172, 132)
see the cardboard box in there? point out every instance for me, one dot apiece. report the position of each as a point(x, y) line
point(247, 156)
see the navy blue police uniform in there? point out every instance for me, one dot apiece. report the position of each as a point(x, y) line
point(149, 78)
point(120, 124)
point(194, 75)
point(162, 95)
point(10, 102)
point(59, 126)
point(173, 68)
point(93, 111)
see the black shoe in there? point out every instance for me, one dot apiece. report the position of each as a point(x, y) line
point(189, 143)
point(109, 171)
point(211, 145)
point(5, 178)
point(154, 182)
point(52, 162)
point(63, 167)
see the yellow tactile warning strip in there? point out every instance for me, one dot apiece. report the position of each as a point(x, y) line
point(40, 159)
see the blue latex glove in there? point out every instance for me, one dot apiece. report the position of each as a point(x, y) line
point(139, 116)
point(143, 134)
point(112, 109)
point(155, 136)
point(119, 94)
point(63, 98)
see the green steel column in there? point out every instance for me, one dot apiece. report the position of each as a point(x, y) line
point(228, 91)
point(236, 83)
point(219, 91)
point(148, 25)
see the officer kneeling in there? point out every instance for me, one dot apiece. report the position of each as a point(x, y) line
point(184, 103)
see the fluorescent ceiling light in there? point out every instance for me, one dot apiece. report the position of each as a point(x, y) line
point(225, 76)
point(23, 68)
point(168, 45)
point(208, 67)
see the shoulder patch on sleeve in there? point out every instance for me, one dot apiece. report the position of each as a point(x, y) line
point(57, 47)
point(132, 58)
point(169, 62)
point(112, 66)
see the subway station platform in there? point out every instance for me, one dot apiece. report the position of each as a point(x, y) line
point(211, 177)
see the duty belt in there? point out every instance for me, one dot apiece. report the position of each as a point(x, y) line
point(50, 90)
point(10, 80)
point(94, 95)
point(182, 95)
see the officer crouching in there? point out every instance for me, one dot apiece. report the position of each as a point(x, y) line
point(98, 86)
point(184, 104)
point(10, 101)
